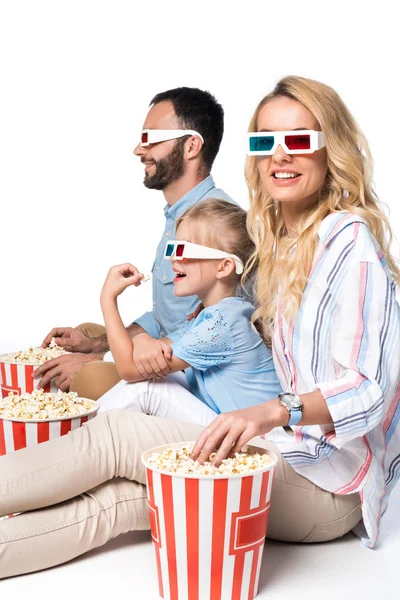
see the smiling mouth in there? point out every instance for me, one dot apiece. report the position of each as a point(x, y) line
point(179, 275)
point(283, 175)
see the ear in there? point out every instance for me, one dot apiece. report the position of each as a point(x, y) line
point(193, 147)
point(225, 268)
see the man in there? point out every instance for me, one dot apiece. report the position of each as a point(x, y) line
point(180, 167)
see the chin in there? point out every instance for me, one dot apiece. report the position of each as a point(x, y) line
point(181, 293)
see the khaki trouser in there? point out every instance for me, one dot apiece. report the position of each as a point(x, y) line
point(95, 378)
point(87, 487)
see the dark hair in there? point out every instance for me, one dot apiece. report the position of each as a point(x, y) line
point(198, 110)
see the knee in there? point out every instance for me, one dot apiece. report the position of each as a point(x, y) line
point(119, 420)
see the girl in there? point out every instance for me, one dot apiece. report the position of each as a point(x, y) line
point(230, 365)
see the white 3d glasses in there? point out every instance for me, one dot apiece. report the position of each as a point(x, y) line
point(179, 249)
point(265, 143)
point(153, 136)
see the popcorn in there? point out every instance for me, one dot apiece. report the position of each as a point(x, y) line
point(179, 461)
point(40, 405)
point(34, 356)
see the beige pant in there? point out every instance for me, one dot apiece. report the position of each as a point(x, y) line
point(95, 378)
point(85, 488)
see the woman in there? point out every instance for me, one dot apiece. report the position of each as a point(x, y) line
point(335, 345)
point(334, 325)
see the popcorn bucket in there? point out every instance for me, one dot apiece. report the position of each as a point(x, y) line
point(208, 532)
point(22, 433)
point(17, 377)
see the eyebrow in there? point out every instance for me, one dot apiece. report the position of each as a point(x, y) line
point(297, 129)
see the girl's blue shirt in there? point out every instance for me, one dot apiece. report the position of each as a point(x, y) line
point(231, 367)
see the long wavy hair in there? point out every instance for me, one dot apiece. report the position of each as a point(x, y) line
point(285, 260)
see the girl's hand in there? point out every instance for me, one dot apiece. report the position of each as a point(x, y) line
point(149, 356)
point(232, 430)
point(119, 278)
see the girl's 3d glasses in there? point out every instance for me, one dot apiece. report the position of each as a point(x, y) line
point(179, 249)
point(265, 143)
point(153, 136)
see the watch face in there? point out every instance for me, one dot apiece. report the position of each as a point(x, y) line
point(296, 402)
point(292, 401)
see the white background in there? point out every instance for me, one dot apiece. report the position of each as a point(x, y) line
point(76, 79)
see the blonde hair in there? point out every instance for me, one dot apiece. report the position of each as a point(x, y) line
point(347, 187)
point(225, 228)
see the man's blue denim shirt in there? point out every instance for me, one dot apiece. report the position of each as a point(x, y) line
point(169, 311)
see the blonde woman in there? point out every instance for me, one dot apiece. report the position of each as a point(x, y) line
point(327, 303)
point(326, 292)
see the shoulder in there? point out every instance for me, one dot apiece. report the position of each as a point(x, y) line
point(219, 194)
point(230, 310)
point(349, 233)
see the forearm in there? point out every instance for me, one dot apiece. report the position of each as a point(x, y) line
point(134, 330)
point(315, 411)
point(100, 344)
point(119, 340)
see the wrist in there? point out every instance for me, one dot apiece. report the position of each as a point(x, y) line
point(280, 416)
point(95, 356)
point(100, 345)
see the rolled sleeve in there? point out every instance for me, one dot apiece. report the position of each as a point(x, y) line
point(362, 351)
point(150, 324)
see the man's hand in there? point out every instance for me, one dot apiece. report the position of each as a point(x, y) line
point(118, 279)
point(195, 313)
point(230, 431)
point(71, 340)
point(149, 356)
point(63, 369)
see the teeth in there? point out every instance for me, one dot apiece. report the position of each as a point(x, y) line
point(286, 175)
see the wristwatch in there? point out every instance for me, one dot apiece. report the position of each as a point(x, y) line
point(293, 405)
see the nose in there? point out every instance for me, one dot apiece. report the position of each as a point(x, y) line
point(139, 150)
point(281, 156)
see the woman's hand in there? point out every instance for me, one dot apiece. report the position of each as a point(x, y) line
point(149, 356)
point(232, 430)
point(118, 279)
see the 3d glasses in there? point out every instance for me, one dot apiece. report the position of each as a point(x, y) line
point(178, 250)
point(153, 136)
point(265, 143)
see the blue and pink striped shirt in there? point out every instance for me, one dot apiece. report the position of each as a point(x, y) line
point(345, 341)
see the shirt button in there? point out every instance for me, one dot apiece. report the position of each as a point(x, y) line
point(154, 303)
point(157, 268)
point(167, 233)
point(164, 278)
point(162, 333)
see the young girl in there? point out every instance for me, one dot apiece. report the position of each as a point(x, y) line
point(230, 365)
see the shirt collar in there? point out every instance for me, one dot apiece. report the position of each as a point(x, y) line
point(334, 223)
point(190, 198)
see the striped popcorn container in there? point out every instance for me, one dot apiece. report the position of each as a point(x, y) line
point(17, 377)
point(208, 533)
point(22, 433)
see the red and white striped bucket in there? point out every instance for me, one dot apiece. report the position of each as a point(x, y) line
point(22, 433)
point(17, 377)
point(208, 533)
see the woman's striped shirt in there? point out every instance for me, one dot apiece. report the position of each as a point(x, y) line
point(345, 341)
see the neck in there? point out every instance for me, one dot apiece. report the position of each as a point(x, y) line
point(218, 292)
point(292, 211)
point(177, 189)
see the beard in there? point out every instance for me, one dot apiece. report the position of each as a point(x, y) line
point(168, 169)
